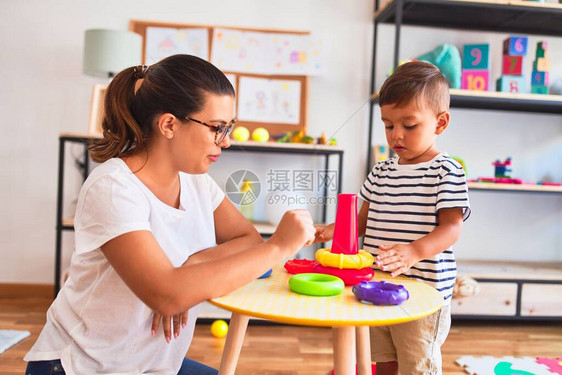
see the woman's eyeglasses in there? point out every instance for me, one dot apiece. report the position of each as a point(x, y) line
point(221, 131)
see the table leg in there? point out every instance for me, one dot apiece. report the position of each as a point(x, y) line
point(233, 345)
point(363, 351)
point(344, 350)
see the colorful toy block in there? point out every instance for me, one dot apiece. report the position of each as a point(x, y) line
point(511, 84)
point(542, 49)
point(476, 56)
point(512, 65)
point(541, 64)
point(515, 46)
point(539, 78)
point(475, 80)
point(539, 89)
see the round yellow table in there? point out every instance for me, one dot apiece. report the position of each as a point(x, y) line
point(271, 299)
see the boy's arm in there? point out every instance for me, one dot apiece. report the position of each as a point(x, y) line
point(325, 233)
point(399, 258)
point(362, 218)
point(444, 236)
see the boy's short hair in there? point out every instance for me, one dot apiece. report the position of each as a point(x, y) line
point(419, 81)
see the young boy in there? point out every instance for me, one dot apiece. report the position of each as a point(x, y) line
point(414, 208)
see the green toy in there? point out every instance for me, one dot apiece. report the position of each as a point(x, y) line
point(316, 284)
point(448, 59)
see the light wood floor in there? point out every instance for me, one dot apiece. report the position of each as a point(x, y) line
point(288, 350)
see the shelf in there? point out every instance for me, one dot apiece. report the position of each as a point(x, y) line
point(79, 136)
point(262, 228)
point(279, 147)
point(68, 223)
point(209, 311)
point(502, 101)
point(506, 101)
point(245, 146)
point(514, 187)
point(484, 269)
point(523, 17)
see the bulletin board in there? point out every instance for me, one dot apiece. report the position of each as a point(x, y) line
point(277, 102)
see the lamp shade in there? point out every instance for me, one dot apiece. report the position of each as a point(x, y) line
point(107, 52)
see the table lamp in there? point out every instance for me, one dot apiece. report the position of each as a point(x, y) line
point(107, 52)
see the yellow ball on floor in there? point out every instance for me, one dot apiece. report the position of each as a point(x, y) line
point(241, 134)
point(260, 135)
point(219, 328)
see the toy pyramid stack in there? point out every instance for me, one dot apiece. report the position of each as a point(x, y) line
point(539, 77)
point(514, 51)
point(475, 67)
point(344, 259)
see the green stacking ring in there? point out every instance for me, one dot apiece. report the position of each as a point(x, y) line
point(316, 284)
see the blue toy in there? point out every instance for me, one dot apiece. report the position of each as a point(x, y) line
point(501, 168)
point(266, 275)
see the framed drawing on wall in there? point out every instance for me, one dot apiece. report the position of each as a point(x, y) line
point(274, 102)
point(267, 96)
point(96, 109)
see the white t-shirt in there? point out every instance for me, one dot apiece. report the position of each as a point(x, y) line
point(97, 325)
point(404, 201)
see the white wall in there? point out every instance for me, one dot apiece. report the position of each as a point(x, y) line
point(44, 92)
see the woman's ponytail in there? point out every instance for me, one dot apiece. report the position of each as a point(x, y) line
point(121, 133)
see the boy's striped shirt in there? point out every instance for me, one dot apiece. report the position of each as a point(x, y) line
point(404, 201)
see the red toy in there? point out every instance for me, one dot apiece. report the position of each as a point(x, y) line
point(344, 259)
point(346, 230)
point(349, 277)
point(512, 65)
point(296, 266)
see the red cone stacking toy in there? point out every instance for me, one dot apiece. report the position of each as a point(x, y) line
point(346, 234)
point(344, 259)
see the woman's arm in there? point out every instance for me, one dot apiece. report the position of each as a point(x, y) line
point(144, 267)
point(233, 232)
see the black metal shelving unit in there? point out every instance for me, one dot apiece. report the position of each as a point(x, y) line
point(513, 17)
point(523, 17)
point(66, 225)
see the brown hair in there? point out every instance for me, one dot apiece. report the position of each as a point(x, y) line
point(419, 81)
point(178, 85)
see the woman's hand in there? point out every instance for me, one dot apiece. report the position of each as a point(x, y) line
point(324, 233)
point(295, 231)
point(177, 321)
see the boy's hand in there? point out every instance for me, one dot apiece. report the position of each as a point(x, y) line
point(324, 233)
point(396, 259)
point(179, 321)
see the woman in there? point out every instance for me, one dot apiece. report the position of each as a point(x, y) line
point(142, 220)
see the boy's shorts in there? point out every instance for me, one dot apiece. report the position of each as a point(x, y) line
point(415, 345)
